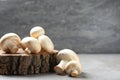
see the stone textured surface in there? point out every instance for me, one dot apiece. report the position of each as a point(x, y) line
point(81, 25)
point(95, 67)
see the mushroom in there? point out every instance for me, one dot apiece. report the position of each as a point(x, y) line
point(31, 45)
point(46, 43)
point(10, 42)
point(73, 68)
point(64, 56)
point(37, 31)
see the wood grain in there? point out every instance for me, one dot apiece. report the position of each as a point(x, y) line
point(24, 64)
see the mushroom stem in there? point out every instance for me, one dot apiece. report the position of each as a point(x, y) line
point(59, 69)
point(27, 50)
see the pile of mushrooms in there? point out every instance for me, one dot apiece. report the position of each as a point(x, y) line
point(37, 41)
point(68, 60)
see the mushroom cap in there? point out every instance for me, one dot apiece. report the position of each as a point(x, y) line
point(46, 43)
point(73, 68)
point(68, 55)
point(9, 36)
point(10, 42)
point(37, 31)
point(32, 44)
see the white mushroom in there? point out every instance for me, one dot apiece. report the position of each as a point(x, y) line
point(10, 42)
point(46, 43)
point(37, 31)
point(31, 45)
point(64, 56)
point(73, 68)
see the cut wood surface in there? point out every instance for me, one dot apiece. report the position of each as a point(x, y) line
point(24, 64)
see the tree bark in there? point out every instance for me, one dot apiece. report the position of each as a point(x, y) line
point(24, 64)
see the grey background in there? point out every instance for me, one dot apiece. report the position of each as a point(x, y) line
point(82, 25)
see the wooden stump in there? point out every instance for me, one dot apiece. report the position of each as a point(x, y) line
point(23, 64)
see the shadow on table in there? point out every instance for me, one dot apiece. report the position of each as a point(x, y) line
point(84, 75)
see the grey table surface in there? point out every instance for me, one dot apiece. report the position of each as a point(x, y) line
point(95, 67)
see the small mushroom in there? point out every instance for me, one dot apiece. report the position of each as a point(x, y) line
point(73, 68)
point(10, 42)
point(31, 45)
point(46, 43)
point(64, 56)
point(37, 31)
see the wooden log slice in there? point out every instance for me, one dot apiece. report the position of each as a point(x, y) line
point(24, 64)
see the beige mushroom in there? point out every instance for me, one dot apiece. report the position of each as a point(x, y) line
point(31, 45)
point(10, 42)
point(64, 56)
point(73, 68)
point(46, 43)
point(37, 31)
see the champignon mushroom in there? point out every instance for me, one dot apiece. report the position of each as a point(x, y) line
point(10, 42)
point(37, 31)
point(73, 68)
point(31, 45)
point(46, 43)
point(64, 56)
